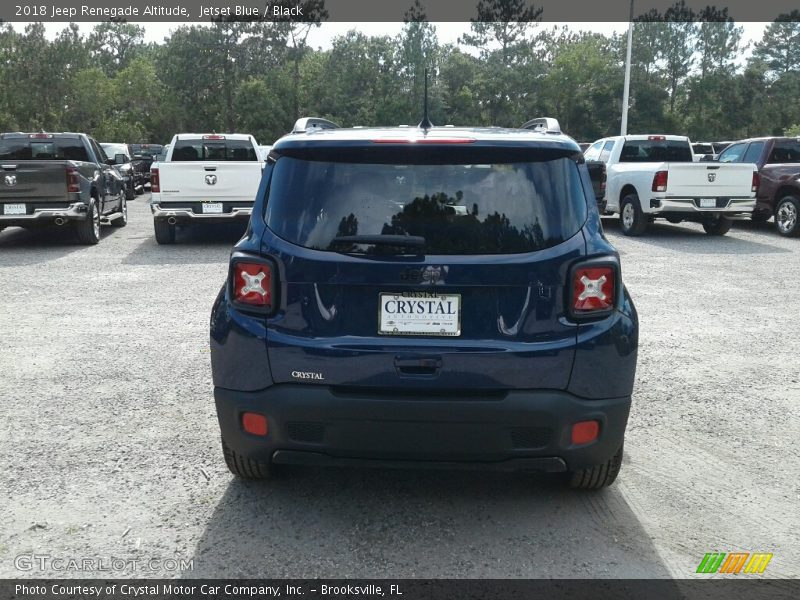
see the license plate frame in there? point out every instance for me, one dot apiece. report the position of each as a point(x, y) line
point(444, 323)
point(15, 209)
point(212, 208)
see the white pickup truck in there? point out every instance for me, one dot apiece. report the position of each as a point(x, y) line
point(204, 178)
point(655, 176)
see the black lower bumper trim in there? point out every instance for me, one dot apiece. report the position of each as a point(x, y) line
point(294, 457)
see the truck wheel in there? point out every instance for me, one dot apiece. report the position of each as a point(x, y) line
point(631, 218)
point(123, 220)
point(245, 467)
point(760, 216)
point(598, 476)
point(674, 220)
point(717, 225)
point(787, 216)
point(165, 233)
point(88, 230)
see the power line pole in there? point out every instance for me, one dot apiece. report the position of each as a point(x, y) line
point(627, 89)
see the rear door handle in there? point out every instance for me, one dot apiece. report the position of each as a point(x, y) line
point(418, 366)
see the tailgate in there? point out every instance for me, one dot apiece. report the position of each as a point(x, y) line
point(202, 181)
point(710, 180)
point(33, 181)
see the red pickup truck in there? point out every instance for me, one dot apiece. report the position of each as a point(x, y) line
point(778, 162)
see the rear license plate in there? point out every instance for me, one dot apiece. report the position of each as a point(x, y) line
point(212, 207)
point(420, 314)
point(708, 202)
point(14, 209)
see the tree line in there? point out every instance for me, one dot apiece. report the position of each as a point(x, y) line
point(688, 76)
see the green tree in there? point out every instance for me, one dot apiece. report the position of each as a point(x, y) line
point(114, 44)
point(499, 32)
point(779, 48)
point(418, 51)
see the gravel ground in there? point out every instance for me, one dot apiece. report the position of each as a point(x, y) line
point(109, 445)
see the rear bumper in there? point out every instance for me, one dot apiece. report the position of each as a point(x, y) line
point(75, 211)
point(724, 206)
point(528, 430)
point(184, 215)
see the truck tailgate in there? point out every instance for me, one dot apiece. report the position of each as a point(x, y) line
point(711, 180)
point(33, 181)
point(202, 181)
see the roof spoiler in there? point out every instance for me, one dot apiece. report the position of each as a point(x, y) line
point(312, 124)
point(543, 124)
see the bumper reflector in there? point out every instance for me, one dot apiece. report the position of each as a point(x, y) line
point(584, 432)
point(254, 423)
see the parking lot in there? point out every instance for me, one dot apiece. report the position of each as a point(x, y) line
point(109, 445)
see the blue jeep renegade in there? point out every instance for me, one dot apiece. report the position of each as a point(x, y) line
point(436, 297)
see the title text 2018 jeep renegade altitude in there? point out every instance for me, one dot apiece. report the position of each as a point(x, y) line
point(440, 297)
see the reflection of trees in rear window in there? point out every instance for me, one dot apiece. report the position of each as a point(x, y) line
point(435, 219)
point(229, 150)
point(458, 209)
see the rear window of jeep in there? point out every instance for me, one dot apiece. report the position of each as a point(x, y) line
point(491, 208)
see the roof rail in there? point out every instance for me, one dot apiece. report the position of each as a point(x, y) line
point(543, 124)
point(311, 124)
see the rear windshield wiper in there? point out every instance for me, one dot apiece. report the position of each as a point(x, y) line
point(413, 241)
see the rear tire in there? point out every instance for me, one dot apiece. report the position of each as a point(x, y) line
point(130, 191)
point(598, 476)
point(787, 216)
point(88, 230)
point(244, 467)
point(123, 220)
point(631, 218)
point(165, 233)
point(717, 226)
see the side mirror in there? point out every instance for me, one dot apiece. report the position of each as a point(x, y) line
point(120, 159)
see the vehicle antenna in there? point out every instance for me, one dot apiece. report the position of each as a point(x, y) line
point(426, 122)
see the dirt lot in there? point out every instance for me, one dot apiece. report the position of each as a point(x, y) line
point(109, 445)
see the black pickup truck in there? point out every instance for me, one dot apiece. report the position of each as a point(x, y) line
point(597, 173)
point(59, 179)
point(145, 154)
point(595, 156)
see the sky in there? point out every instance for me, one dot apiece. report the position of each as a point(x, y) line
point(321, 37)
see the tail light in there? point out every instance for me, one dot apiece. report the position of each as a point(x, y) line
point(253, 284)
point(756, 181)
point(594, 288)
point(73, 183)
point(155, 183)
point(660, 181)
